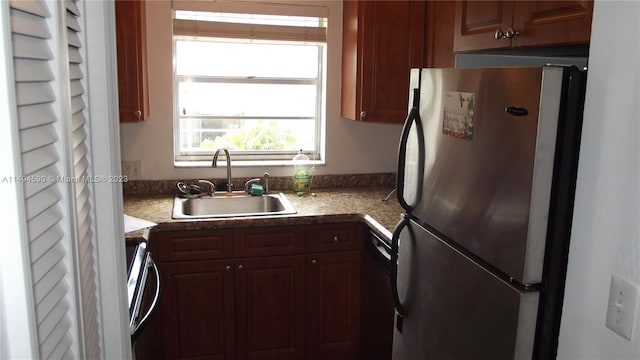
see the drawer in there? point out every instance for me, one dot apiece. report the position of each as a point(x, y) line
point(193, 245)
point(335, 237)
point(278, 240)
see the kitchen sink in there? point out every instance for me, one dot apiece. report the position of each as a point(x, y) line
point(236, 204)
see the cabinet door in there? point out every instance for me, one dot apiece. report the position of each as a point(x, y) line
point(543, 23)
point(334, 237)
point(265, 241)
point(270, 312)
point(439, 34)
point(192, 245)
point(132, 60)
point(334, 305)
point(382, 40)
point(476, 24)
point(197, 310)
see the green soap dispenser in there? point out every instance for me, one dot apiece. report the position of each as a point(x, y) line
point(301, 178)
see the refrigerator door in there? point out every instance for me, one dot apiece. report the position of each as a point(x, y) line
point(489, 138)
point(455, 309)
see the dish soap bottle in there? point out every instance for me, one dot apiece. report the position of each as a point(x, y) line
point(301, 178)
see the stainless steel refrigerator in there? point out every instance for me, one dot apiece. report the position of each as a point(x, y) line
point(486, 174)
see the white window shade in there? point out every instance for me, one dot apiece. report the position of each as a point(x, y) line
point(245, 7)
point(248, 31)
point(241, 20)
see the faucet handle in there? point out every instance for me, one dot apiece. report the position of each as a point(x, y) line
point(188, 190)
point(265, 182)
point(247, 185)
point(212, 187)
point(182, 187)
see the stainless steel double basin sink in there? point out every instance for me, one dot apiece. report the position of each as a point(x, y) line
point(235, 204)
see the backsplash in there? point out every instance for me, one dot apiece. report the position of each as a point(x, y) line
point(164, 187)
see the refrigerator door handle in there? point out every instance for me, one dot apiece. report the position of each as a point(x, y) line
point(412, 119)
point(395, 239)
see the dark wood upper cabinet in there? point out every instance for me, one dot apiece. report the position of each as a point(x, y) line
point(132, 60)
point(439, 34)
point(382, 41)
point(477, 21)
point(483, 25)
point(552, 23)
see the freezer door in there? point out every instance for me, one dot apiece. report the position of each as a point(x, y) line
point(454, 309)
point(489, 138)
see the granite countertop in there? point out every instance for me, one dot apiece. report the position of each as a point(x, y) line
point(329, 205)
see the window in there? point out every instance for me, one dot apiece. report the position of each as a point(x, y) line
point(251, 83)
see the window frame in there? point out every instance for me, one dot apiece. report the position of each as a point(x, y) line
point(252, 157)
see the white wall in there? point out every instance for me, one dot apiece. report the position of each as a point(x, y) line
point(352, 147)
point(605, 237)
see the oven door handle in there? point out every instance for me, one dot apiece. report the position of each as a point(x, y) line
point(137, 327)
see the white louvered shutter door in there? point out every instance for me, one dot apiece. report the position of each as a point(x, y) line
point(49, 96)
point(52, 276)
point(83, 182)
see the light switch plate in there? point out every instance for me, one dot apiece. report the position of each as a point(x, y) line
point(622, 308)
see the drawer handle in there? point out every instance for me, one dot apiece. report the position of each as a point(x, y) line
point(336, 239)
point(314, 261)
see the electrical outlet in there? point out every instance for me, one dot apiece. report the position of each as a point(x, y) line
point(621, 311)
point(132, 169)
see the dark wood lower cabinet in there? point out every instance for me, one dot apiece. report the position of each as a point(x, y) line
point(334, 306)
point(197, 310)
point(270, 308)
point(283, 304)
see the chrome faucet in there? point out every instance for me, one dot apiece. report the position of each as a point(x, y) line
point(214, 163)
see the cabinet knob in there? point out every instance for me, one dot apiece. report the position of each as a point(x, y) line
point(499, 34)
point(314, 261)
point(512, 33)
point(240, 267)
point(227, 268)
point(363, 114)
point(336, 239)
point(137, 114)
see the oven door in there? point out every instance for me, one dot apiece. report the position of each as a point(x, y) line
point(141, 291)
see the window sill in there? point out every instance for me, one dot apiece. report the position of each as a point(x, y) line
point(242, 163)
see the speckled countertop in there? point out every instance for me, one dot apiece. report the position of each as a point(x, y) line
point(330, 205)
